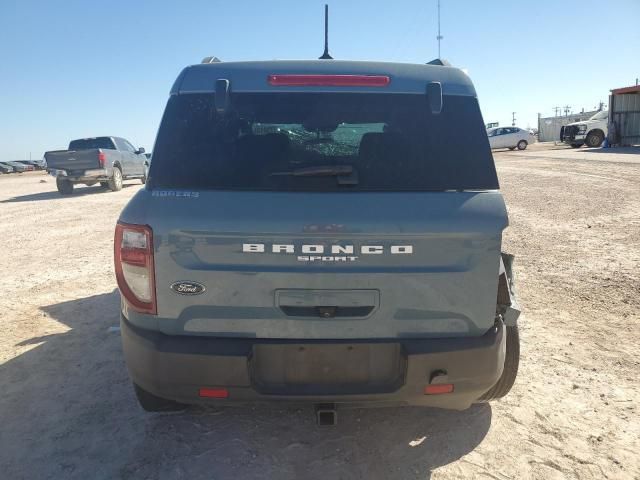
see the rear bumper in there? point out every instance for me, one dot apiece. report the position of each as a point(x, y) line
point(93, 175)
point(176, 367)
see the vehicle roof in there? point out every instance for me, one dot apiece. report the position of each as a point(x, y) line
point(578, 122)
point(252, 76)
point(96, 137)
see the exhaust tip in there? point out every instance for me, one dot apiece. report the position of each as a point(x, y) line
point(326, 415)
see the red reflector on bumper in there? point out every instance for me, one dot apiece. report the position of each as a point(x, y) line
point(438, 389)
point(214, 392)
point(329, 80)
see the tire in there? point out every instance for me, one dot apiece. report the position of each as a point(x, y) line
point(576, 145)
point(510, 372)
point(65, 187)
point(115, 182)
point(522, 144)
point(151, 403)
point(594, 139)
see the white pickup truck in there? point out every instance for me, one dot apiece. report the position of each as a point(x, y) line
point(591, 132)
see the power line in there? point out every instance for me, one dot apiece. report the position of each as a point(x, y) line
point(439, 37)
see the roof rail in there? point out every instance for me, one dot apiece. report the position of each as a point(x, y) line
point(439, 61)
point(210, 60)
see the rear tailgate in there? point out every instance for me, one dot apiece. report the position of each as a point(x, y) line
point(73, 160)
point(304, 265)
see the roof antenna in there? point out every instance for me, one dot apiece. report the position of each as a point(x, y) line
point(325, 55)
point(439, 37)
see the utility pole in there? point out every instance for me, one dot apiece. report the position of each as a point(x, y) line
point(513, 119)
point(539, 123)
point(567, 109)
point(556, 110)
point(439, 37)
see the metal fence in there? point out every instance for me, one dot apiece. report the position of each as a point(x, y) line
point(624, 116)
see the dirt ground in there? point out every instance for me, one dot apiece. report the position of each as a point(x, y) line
point(67, 409)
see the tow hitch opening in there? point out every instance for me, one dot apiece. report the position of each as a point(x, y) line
point(326, 415)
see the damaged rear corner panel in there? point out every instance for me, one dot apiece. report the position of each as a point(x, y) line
point(507, 304)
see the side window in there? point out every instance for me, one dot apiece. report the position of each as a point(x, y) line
point(120, 144)
point(130, 147)
point(123, 145)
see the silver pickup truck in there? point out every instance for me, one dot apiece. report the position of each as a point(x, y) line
point(107, 160)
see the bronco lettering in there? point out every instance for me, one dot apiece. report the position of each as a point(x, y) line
point(321, 249)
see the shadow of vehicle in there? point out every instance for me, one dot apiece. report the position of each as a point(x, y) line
point(55, 195)
point(68, 411)
point(620, 150)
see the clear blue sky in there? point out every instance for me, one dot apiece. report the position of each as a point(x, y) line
point(82, 68)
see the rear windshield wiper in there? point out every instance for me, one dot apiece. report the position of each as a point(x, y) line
point(345, 174)
point(318, 171)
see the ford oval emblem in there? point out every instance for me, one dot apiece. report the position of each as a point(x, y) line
point(188, 288)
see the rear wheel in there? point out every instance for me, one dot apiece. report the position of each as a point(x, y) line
point(152, 403)
point(115, 182)
point(65, 187)
point(594, 139)
point(510, 372)
point(522, 144)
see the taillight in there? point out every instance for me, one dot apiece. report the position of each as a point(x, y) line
point(329, 80)
point(102, 158)
point(438, 388)
point(134, 266)
point(213, 393)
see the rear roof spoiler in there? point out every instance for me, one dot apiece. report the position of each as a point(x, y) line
point(254, 76)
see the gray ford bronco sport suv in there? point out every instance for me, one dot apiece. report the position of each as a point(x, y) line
point(318, 231)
